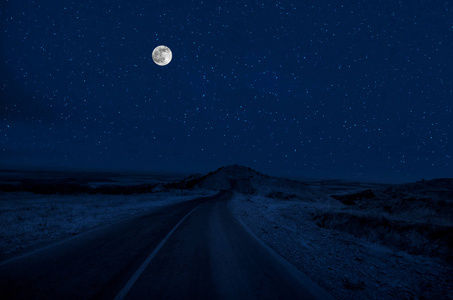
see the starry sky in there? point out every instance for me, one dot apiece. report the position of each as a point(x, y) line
point(312, 89)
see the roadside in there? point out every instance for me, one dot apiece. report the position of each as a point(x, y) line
point(29, 221)
point(346, 266)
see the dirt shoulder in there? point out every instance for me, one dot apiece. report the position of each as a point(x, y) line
point(346, 266)
point(29, 221)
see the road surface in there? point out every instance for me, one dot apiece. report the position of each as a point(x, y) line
point(191, 250)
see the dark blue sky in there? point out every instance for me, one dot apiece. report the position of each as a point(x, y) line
point(352, 89)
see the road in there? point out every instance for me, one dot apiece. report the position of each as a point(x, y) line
point(191, 250)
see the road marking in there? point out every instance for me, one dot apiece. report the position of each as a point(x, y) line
point(142, 268)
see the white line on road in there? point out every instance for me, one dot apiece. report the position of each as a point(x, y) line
point(142, 268)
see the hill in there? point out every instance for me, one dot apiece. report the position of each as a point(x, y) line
point(248, 181)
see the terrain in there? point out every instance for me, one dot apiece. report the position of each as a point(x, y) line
point(354, 240)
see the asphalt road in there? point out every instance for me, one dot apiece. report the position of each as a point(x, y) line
point(191, 250)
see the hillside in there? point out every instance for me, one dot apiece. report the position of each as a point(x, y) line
point(248, 181)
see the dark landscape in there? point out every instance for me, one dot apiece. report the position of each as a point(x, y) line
point(387, 226)
point(226, 149)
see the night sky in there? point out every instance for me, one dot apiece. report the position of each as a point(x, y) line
point(317, 89)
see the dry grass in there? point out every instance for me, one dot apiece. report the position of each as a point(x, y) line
point(29, 220)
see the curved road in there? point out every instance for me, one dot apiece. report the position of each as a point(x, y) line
point(191, 250)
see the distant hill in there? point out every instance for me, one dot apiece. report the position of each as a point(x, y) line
point(233, 177)
point(248, 181)
point(441, 188)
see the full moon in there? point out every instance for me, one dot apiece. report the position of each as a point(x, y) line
point(162, 55)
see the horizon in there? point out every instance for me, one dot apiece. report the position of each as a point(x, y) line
point(132, 172)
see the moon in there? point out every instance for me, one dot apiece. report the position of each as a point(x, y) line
point(162, 55)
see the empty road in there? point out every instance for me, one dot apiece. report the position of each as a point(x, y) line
point(191, 250)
